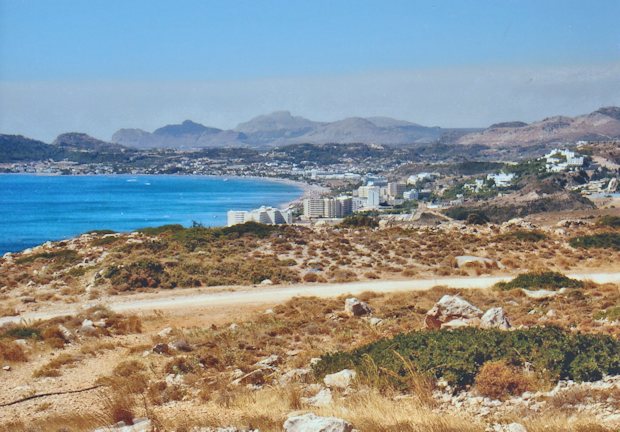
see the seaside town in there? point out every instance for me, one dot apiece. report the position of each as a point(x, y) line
point(385, 194)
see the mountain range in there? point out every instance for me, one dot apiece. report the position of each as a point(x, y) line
point(283, 128)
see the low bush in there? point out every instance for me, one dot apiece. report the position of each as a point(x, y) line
point(609, 240)
point(609, 221)
point(458, 355)
point(11, 351)
point(61, 258)
point(540, 280)
point(611, 314)
point(498, 379)
point(359, 221)
point(522, 235)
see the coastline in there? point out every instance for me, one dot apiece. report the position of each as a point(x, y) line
point(304, 190)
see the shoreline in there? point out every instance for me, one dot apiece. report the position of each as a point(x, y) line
point(306, 190)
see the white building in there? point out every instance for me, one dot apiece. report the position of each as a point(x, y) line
point(328, 207)
point(411, 194)
point(501, 179)
point(264, 215)
point(374, 197)
point(562, 160)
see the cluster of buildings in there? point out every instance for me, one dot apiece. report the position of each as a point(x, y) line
point(562, 160)
point(264, 215)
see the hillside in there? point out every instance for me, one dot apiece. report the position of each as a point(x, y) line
point(602, 124)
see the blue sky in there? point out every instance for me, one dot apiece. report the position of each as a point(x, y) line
point(63, 53)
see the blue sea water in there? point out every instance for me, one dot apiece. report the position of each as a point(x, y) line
point(35, 209)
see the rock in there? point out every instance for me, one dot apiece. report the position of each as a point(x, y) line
point(374, 321)
point(512, 427)
point(139, 425)
point(21, 342)
point(87, 327)
point(181, 345)
point(539, 294)
point(28, 299)
point(356, 307)
point(266, 282)
point(464, 260)
point(66, 333)
point(269, 362)
point(233, 327)
point(321, 399)
point(101, 323)
point(551, 313)
point(256, 377)
point(313, 423)
point(165, 332)
point(294, 375)
point(314, 360)
point(340, 379)
point(449, 308)
point(6, 368)
point(495, 318)
point(161, 348)
point(459, 323)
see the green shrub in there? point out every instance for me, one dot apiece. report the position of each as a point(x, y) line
point(603, 241)
point(458, 355)
point(139, 274)
point(609, 221)
point(360, 221)
point(64, 257)
point(611, 314)
point(528, 236)
point(22, 332)
point(540, 280)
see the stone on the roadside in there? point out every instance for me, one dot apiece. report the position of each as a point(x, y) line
point(356, 307)
point(312, 423)
point(342, 379)
point(6, 368)
point(266, 282)
point(495, 318)
point(449, 308)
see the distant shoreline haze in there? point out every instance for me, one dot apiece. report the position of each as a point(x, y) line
point(38, 208)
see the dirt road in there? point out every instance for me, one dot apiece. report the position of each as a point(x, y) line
point(277, 294)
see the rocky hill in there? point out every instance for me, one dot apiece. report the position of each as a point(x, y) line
point(602, 124)
point(281, 128)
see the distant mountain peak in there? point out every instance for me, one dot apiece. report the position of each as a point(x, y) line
point(188, 127)
point(610, 111)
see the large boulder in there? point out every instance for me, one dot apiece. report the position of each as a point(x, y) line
point(321, 399)
point(313, 423)
point(356, 307)
point(342, 379)
point(450, 308)
point(495, 318)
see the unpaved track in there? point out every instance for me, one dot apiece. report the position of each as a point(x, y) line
point(278, 294)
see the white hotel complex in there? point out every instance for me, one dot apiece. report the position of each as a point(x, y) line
point(264, 215)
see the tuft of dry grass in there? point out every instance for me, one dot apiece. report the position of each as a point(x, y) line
point(12, 352)
point(499, 380)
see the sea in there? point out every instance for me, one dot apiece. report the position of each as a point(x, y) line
point(38, 208)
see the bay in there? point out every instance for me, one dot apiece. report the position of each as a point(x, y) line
point(35, 208)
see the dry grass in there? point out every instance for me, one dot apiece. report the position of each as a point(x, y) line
point(12, 352)
point(499, 380)
point(52, 368)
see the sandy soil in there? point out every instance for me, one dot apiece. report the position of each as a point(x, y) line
point(183, 300)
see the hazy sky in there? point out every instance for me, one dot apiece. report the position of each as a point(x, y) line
point(96, 66)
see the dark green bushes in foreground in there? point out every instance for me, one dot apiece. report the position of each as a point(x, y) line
point(360, 221)
point(458, 355)
point(603, 241)
point(540, 280)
